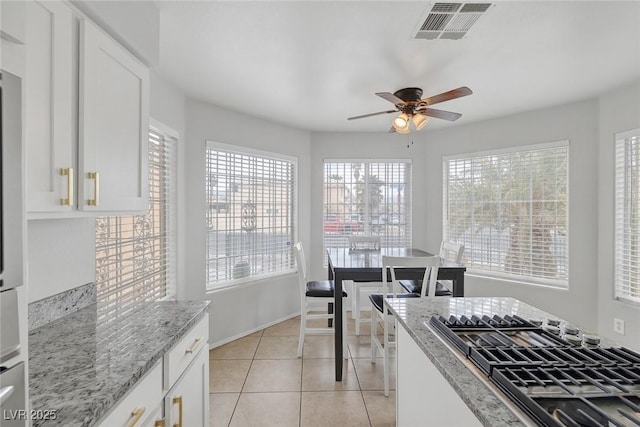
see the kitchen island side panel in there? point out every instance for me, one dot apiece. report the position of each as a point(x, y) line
point(423, 395)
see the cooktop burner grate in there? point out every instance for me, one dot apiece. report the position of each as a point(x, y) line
point(557, 383)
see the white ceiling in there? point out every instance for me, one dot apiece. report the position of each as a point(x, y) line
point(312, 64)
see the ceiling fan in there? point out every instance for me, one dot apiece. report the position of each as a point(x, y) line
point(415, 110)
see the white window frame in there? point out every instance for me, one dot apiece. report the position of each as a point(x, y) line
point(501, 275)
point(367, 227)
point(170, 223)
point(248, 280)
point(627, 193)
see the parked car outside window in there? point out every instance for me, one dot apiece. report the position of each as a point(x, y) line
point(335, 224)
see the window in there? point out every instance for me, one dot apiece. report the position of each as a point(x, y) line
point(627, 258)
point(509, 209)
point(135, 255)
point(369, 197)
point(250, 214)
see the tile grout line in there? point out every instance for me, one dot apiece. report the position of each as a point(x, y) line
point(364, 402)
point(245, 380)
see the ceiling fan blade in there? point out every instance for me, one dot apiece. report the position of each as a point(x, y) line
point(446, 96)
point(391, 98)
point(372, 114)
point(439, 114)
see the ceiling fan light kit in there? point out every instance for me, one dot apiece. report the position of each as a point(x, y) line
point(404, 130)
point(416, 110)
point(401, 122)
point(419, 121)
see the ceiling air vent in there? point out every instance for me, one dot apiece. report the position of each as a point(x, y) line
point(450, 21)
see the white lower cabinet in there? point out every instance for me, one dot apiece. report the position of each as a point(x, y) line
point(155, 418)
point(138, 402)
point(177, 400)
point(423, 395)
point(187, 404)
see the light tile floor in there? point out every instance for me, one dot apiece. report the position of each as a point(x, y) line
point(258, 381)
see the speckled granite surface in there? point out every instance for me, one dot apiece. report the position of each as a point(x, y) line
point(51, 308)
point(80, 365)
point(412, 313)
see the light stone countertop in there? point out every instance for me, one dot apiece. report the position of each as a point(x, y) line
point(485, 402)
point(81, 364)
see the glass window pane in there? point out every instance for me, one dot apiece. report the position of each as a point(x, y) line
point(250, 215)
point(627, 220)
point(367, 198)
point(135, 255)
point(509, 209)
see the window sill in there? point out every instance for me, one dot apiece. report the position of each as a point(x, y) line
point(627, 302)
point(556, 286)
point(247, 282)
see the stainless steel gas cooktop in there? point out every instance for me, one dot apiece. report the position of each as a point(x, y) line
point(555, 374)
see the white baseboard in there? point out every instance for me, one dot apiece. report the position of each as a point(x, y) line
point(251, 331)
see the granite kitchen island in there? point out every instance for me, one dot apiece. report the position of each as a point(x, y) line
point(436, 384)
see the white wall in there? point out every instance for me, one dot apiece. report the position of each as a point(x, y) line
point(236, 311)
point(61, 255)
point(619, 111)
point(577, 123)
point(135, 24)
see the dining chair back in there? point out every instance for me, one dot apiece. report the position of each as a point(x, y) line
point(391, 266)
point(451, 251)
point(358, 289)
point(315, 297)
point(448, 251)
point(364, 242)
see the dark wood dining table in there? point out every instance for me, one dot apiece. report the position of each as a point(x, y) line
point(366, 266)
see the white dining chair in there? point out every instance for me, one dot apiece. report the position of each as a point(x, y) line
point(380, 315)
point(357, 243)
point(358, 289)
point(448, 251)
point(314, 298)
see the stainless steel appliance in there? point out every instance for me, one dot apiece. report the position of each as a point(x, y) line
point(11, 205)
point(9, 331)
point(555, 374)
point(12, 370)
point(12, 395)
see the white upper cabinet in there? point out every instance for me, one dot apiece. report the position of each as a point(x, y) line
point(87, 118)
point(114, 125)
point(50, 119)
point(12, 26)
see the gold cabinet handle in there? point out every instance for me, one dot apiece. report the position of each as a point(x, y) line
point(193, 347)
point(95, 176)
point(178, 400)
point(159, 423)
point(136, 414)
point(68, 172)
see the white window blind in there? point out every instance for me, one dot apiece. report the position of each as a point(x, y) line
point(250, 215)
point(627, 222)
point(368, 197)
point(509, 209)
point(136, 255)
